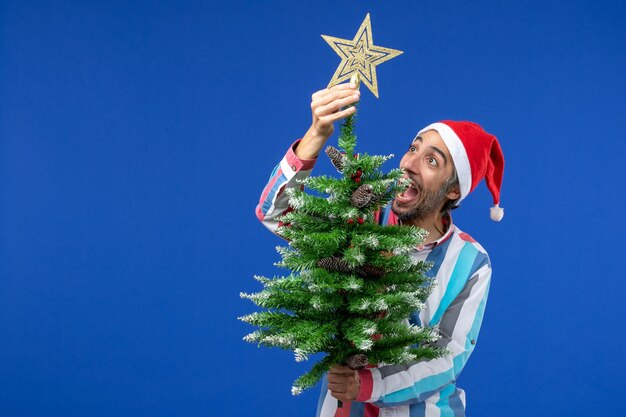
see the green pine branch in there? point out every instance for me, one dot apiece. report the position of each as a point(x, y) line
point(353, 284)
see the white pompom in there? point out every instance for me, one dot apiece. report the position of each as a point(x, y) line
point(496, 213)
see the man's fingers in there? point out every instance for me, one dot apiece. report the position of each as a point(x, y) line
point(326, 108)
point(342, 383)
point(336, 87)
point(339, 374)
point(336, 104)
point(336, 116)
point(340, 396)
point(335, 99)
point(342, 86)
point(338, 388)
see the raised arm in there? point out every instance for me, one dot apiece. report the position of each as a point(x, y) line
point(327, 106)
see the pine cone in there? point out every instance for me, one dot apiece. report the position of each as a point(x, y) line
point(334, 264)
point(362, 196)
point(337, 264)
point(376, 198)
point(335, 156)
point(356, 361)
point(370, 271)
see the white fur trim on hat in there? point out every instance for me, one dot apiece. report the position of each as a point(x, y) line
point(459, 156)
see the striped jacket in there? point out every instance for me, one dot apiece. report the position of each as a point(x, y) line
point(462, 274)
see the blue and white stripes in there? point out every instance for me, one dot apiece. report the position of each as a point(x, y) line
point(462, 273)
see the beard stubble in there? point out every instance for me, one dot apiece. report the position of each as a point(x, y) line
point(431, 201)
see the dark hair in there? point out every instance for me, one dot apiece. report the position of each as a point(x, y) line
point(450, 184)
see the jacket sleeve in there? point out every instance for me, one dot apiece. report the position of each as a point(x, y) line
point(274, 202)
point(390, 386)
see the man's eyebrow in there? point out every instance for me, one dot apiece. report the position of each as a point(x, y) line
point(440, 152)
point(434, 148)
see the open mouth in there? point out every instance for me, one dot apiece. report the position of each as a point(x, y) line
point(408, 195)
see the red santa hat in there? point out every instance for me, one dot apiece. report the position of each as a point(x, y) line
point(476, 155)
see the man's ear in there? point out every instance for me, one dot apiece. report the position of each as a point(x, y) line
point(454, 194)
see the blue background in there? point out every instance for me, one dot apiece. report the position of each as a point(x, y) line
point(136, 138)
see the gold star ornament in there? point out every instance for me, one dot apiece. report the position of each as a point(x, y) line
point(359, 56)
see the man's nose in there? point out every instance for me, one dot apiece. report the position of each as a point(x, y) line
point(410, 165)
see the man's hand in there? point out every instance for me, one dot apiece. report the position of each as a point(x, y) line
point(343, 383)
point(326, 107)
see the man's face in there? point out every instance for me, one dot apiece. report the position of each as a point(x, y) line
point(428, 165)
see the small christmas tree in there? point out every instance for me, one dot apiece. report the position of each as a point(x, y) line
point(353, 284)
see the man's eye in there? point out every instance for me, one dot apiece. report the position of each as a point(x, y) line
point(412, 148)
point(432, 161)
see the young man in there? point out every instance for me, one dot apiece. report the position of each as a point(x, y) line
point(444, 163)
